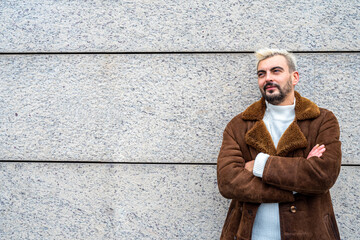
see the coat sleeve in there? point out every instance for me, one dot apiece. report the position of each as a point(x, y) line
point(312, 176)
point(235, 182)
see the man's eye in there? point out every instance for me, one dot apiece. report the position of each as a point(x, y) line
point(260, 74)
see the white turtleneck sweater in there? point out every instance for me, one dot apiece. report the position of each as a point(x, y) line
point(267, 221)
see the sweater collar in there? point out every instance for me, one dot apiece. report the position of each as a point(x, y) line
point(282, 113)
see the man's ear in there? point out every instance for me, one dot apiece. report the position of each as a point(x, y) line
point(295, 77)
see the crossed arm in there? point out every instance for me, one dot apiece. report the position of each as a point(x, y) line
point(312, 175)
point(317, 151)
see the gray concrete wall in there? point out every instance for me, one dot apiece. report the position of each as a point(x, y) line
point(112, 112)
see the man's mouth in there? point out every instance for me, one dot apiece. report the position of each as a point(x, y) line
point(271, 86)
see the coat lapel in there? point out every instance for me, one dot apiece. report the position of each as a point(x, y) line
point(292, 139)
point(259, 138)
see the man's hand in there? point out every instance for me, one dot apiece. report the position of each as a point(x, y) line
point(317, 151)
point(250, 165)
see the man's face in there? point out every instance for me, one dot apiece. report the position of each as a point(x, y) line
point(275, 81)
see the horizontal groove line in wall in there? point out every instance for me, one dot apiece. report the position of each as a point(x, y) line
point(100, 162)
point(180, 52)
point(131, 163)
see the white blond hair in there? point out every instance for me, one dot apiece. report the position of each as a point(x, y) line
point(265, 53)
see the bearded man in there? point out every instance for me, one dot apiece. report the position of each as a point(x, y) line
point(278, 160)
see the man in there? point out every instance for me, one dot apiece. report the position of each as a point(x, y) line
point(278, 160)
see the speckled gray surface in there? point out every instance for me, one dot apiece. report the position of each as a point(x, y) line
point(101, 201)
point(190, 25)
point(150, 108)
point(345, 195)
point(81, 201)
point(329, 80)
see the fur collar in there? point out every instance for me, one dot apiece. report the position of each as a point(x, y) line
point(304, 109)
point(259, 138)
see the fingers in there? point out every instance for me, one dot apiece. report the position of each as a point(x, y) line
point(317, 151)
point(249, 165)
point(318, 148)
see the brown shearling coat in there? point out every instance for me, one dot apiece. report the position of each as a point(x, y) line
point(308, 214)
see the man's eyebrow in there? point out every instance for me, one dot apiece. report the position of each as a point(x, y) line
point(277, 67)
point(272, 69)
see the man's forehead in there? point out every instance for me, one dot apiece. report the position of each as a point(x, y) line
point(271, 62)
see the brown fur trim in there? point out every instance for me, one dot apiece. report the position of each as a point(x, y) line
point(304, 109)
point(292, 139)
point(259, 138)
point(255, 111)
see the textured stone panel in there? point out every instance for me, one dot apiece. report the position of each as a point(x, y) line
point(157, 108)
point(345, 196)
point(191, 25)
point(96, 201)
point(81, 201)
point(331, 82)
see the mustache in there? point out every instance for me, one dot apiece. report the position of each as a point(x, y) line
point(271, 84)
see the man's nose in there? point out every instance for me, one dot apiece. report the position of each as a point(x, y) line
point(268, 77)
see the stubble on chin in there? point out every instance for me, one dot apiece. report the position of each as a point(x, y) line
point(276, 98)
